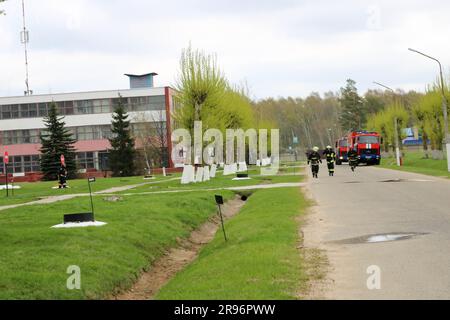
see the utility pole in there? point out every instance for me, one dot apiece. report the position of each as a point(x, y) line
point(444, 106)
point(25, 39)
point(396, 138)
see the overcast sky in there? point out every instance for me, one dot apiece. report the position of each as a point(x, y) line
point(279, 48)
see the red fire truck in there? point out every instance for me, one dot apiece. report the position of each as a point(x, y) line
point(367, 145)
point(341, 151)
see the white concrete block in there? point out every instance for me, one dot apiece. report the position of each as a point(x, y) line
point(213, 171)
point(206, 176)
point(242, 167)
point(199, 175)
point(188, 174)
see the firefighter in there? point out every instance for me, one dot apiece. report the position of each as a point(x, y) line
point(314, 159)
point(353, 159)
point(331, 159)
point(62, 177)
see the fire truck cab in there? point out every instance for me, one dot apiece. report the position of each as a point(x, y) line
point(341, 151)
point(367, 145)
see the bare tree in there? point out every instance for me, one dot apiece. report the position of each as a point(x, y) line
point(150, 132)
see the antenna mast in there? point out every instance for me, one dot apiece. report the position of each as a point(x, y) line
point(24, 39)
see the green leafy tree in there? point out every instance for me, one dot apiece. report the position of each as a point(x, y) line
point(122, 154)
point(204, 94)
point(379, 123)
point(419, 118)
point(201, 87)
point(396, 112)
point(384, 123)
point(352, 115)
point(56, 140)
point(431, 104)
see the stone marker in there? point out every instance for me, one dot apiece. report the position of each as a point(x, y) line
point(234, 168)
point(206, 176)
point(188, 174)
point(212, 173)
point(242, 167)
point(199, 175)
point(227, 170)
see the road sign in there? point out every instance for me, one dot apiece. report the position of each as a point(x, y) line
point(63, 160)
point(92, 179)
point(6, 158)
point(219, 199)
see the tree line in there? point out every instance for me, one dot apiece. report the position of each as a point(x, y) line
point(321, 120)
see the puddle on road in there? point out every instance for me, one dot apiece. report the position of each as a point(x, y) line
point(377, 238)
point(394, 180)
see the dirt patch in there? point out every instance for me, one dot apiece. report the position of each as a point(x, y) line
point(313, 253)
point(177, 258)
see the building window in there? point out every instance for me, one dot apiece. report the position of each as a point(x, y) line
point(85, 160)
point(95, 106)
point(22, 164)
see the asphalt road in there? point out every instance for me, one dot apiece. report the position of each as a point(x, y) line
point(353, 205)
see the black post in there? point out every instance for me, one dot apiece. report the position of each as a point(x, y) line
point(219, 201)
point(221, 220)
point(90, 194)
point(6, 178)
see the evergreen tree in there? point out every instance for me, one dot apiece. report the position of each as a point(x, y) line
point(122, 154)
point(56, 141)
point(353, 114)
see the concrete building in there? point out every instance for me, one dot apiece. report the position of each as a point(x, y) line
point(88, 115)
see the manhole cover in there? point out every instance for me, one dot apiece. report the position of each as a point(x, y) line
point(376, 238)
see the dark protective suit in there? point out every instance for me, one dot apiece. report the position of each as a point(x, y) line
point(353, 159)
point(331, 159)
point(62, 176)
point(314, 159)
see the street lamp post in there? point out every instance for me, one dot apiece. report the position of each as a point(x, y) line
point(444, 106)
point(397, 144)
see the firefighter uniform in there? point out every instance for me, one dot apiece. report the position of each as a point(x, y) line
point(314, 159)
point(331, 159)
point(353, 159)
point(62, 177)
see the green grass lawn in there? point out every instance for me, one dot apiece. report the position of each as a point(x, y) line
point(34, 190)
point(221, 181)
point(260, 259)
point(416, 162)
point(34, 257)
